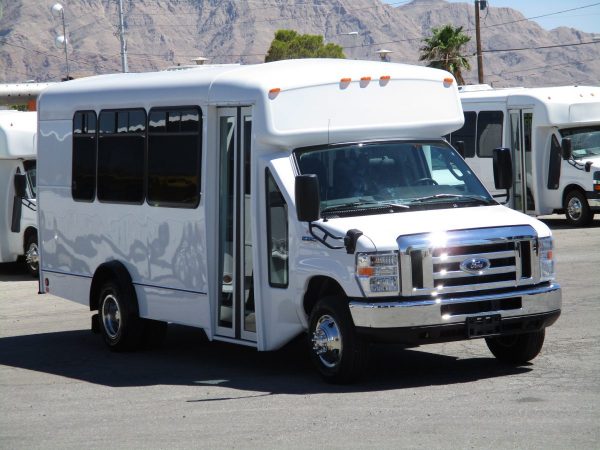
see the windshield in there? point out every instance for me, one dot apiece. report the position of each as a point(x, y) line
point(393, 176)
point(585, 141)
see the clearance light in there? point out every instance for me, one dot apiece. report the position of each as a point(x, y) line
point(385, 78)
point(365, 79)
point(345, 80)
point(448, 81)
point(274, 93)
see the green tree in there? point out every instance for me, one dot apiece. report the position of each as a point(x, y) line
point(444, 50)
point(288, 44)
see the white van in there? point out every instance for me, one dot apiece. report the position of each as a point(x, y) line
point(534, 123)
point(18, 217)
point(262, 202)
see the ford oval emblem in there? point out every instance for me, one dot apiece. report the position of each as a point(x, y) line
point(475, 265)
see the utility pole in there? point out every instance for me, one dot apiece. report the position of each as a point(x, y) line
point(122, 38)
point(479, 5)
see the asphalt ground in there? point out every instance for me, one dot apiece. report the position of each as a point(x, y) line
point(61, 388)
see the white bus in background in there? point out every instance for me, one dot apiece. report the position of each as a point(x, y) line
point(262, 202)
point(534, 123)
point(18, 217)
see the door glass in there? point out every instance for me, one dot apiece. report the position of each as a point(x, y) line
point(528, 160)
point(249, 316)
point(226, 223)
point(515, 144)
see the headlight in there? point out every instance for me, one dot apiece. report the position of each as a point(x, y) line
point(377, 273)
point(545, 249)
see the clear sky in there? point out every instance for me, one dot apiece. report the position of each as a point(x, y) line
point(585, 19)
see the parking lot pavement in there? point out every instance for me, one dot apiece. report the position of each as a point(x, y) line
point(60, 388)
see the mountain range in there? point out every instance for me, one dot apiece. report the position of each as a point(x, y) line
point(164, 33)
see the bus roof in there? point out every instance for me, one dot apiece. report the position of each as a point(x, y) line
point(295, 99)
point(556, 106)
point(17, 134)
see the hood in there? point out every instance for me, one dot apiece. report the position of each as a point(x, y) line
point(382, 231)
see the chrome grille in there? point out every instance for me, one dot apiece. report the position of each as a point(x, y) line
point(440, 263)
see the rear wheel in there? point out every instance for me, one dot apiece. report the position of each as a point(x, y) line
point(517, 348)
point(339, 354)
point(577, 209)
point(32, 256)
point(120, 325)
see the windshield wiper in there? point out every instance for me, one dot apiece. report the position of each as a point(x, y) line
point(395, 207)
point(470, 198)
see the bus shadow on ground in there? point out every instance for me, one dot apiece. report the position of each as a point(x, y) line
point(14, 272)
point(186, 358)
point(560, 223)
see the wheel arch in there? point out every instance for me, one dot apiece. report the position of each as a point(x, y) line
point(568, 189)
point(29, 231)
point(116, 271)
point(318, 287)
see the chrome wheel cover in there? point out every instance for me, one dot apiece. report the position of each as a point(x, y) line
point(111, 316)
point(574, 208)
point(327, 341)
point(32, 257)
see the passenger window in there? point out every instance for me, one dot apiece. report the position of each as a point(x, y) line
point(83, 174)
point(489, 132)
point(121, 156)
point(174, 157)
point(466, 134)
point(277, 235)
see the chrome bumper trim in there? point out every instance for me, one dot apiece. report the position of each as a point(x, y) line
point(428, 312)
point(594, 202)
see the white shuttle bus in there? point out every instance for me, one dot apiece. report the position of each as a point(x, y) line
point(18, 216)
point(262, 202)
point(554, 135)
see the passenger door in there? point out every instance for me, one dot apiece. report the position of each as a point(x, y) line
point(235, 313)
point(521, 143)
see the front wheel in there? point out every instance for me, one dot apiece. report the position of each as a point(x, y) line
point(339, 354)
point(577, 209)
point(32, 256)
point(517, 348)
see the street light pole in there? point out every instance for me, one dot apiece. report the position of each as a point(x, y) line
point(122, 38)
point(58, 9)
point(479, 5)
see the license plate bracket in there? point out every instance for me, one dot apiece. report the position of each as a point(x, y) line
point(483, 326)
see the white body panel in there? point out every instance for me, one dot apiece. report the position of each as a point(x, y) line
point(17, 144)
point(553, 109)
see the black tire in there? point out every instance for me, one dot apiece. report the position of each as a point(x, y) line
point(32, 257)
point(120, 325)
point(154, 333)
point(516, 348)
point(577, 209)
point(339, 354)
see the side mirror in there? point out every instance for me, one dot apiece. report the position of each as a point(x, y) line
point(20, 185)
point(308, 199)
point(566, 148)
point(503, 175)
point(460, 148)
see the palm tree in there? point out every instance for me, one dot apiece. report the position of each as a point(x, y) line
point(443, 50)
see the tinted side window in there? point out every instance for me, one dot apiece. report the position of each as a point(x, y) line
point(83, 175)
point(466, 134)
point(121, 143)
point(277, 235)
point(174, 157)
point(489, 132)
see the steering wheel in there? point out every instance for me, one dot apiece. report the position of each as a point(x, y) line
point(426, 180)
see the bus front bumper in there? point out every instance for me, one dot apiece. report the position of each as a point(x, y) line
point(522, 310)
